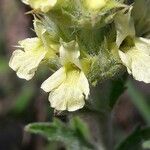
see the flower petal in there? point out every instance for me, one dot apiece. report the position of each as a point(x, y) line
point(137, 63)
point(143, 45)
point(76, 104)
point(67, 98)
point(69, 88)
point(141, 68)
point(25, 62)
point(126, 61)
point(75, 99)
point(30, 44)
point(54, 81)
point(57, 99)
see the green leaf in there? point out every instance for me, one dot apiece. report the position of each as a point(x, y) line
point(80, 127)
point(23, 100)
point(55, 131)
point(71, 135)
point(139, 101)
point(134, 140)
point(3, 65)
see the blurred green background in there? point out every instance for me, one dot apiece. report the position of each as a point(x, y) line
point(23, 102)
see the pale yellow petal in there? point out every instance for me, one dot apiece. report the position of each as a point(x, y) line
point(75, 100)
point(143, 45)
point(16, 59)
point(54, 81)
point(141, 67)
point(25, 62)
point(137, 63)
point(71, 92)
point(57, 99)
point(126, 61)
point(30, 44)
point(67, 98)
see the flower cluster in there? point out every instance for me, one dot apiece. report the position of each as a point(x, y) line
point(88, 39)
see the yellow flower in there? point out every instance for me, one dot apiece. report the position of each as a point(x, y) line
point(25, 62)
point(32, 51)
point(42, 5)
point(137, 60)
point(95, 4)
point(69, 86)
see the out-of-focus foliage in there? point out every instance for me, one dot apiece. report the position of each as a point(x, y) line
point(134, 141)
point(139, 101)
point(23, 100)
point(141, 15)
point(146, 144)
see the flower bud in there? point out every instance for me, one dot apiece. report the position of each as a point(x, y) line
point(43, 6)
point(95, 4)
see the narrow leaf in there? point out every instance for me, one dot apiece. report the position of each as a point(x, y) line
point(139, 101)
point(134, 140)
